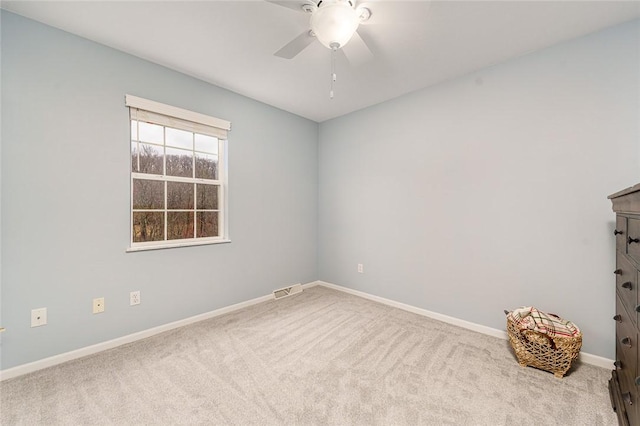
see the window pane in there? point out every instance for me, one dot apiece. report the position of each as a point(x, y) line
point(134, 130)
point(206, 144)
point(179, 225)
point(148, 194)
point(150, 159)
point(179, 195)
point(207, 224)
point(151, 133)
point(206, 166)
point(134, 156)
point(179, 162)
point(179, 138)
point(148, 226)
point(207, 197)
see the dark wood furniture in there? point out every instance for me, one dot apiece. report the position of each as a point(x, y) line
point(624, 386)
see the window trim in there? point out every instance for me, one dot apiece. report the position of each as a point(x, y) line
point(173, 117)
point(171, 111)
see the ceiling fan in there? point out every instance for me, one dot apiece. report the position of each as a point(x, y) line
point(334, 23)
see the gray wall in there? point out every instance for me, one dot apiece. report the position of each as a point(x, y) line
point(489, 191)
point(65, 197)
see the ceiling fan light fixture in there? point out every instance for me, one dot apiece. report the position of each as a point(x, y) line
point(334, 23)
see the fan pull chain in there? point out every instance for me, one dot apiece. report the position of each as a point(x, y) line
point(334, 51)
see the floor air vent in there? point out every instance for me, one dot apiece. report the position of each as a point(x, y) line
point(287, 291)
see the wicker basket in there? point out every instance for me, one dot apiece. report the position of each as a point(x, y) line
point(538, 350)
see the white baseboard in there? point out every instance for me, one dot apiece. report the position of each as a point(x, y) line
point(596, 360)
point(110, 344)
point(587, 358)
point(311, 284)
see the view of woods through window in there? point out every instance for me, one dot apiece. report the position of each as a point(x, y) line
point(176, 191)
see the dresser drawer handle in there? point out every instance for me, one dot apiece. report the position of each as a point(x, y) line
point(628, 285)
point(637, 381)
point(617, 364)
point(627, 398)
point(618, 272)
point(616, 232)
point(626, 341)
point(633, 240)
point(617, 318)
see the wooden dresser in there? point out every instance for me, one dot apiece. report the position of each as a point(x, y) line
point(624, 386)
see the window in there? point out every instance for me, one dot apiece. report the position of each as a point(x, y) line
point(178, 176)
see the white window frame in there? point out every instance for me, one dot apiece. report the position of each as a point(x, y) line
point(178, 118)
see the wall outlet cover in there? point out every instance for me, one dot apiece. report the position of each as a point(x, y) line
point(38, 317)
point(134, 298)
point(98, 305)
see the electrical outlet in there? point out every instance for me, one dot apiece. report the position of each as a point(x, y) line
point(38, 317)
point(98, 305)
point(134, 298)
point(360, 268)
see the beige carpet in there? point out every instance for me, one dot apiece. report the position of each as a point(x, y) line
point(320, 357)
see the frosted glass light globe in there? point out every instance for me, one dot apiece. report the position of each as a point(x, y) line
point(334, 23)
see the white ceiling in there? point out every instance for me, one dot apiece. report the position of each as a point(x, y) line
point(416, 43)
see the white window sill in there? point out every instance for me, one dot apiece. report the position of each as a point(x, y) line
point(169, 245)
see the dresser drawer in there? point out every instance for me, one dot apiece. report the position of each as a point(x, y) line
point(621, 234)
point(627, 285)
point(630, 400)
point(628, 392)
point(633, 238)
point(627, 364)
point(623, 317)
point(626, 353)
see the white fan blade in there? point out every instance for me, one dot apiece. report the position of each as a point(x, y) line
point(357, 51)
point(295, 46)
point(296, 5)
